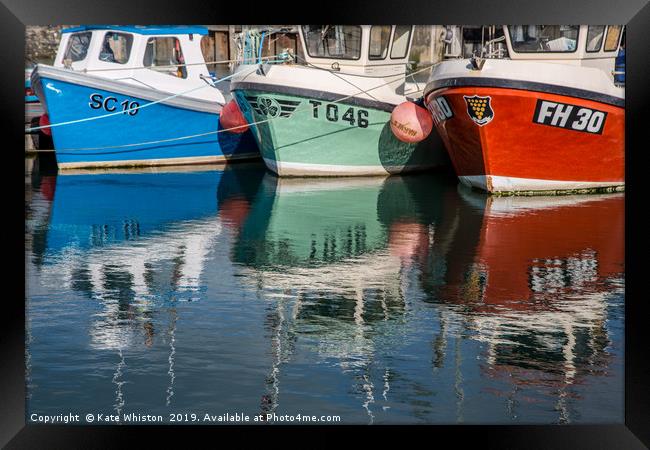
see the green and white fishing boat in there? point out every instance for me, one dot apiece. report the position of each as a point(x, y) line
point(326, 111)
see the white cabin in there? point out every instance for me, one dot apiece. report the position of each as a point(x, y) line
point(594, 46)
point(377, 50)
point(164, 58)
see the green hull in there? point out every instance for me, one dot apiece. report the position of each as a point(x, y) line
point(311, 137)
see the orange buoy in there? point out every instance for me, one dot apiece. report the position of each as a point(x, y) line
point(410, 122)
point(232, 119)
point(44, 121)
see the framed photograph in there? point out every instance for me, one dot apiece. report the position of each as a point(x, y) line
point(235, 226)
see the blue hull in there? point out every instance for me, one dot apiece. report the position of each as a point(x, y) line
point(134, 139)
point(103, 209)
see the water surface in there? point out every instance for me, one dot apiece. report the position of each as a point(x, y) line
point(380, 300)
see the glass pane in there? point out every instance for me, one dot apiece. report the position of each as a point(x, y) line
point(77, 46)
point(379, 36)
point(333, 41)
point(611, 42)
point(164, 55)
point(116, 48)
point(400, 41)
point(595, 37)
point(544, 38)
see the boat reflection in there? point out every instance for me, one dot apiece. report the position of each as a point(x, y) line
point(528, 277)
point(334, 258)
point(137, 242)
point(125, 237)
point(416, 299)
point(537, 288)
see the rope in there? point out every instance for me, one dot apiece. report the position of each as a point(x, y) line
point(228, 129)
point(332, 72)
point(87, 119)
point(210, 63)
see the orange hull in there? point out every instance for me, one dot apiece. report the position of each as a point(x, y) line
point(530, 140)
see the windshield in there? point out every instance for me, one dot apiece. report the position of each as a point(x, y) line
point(401, 40)
point(164, 55)
point(333, 41)
point(543, 38)
point(379, 36)
point(116, 48)
point(77, 46)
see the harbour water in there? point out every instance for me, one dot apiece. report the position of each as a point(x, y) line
point(380, 300)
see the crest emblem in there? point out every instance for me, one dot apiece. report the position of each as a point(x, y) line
point(479, 109)
point(268, 106)
point(271, 107)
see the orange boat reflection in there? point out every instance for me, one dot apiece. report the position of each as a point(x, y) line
point(534, 249)
point(535, 286)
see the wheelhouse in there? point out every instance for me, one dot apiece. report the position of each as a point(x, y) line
point(378, 50)
point(161, 58)
point(104, 49)
point(595, 46)
point(553, 42)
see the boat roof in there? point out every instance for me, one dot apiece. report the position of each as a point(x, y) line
point(143, 29)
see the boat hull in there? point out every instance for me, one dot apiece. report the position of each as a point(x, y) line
point(145, 137)
point(308, 135)
point(527, 141)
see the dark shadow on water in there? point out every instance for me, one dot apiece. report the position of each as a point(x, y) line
point(427, 154)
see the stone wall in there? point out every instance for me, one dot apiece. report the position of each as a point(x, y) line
point(41, 42)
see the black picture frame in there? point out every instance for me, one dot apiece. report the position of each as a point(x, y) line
point(16, 14)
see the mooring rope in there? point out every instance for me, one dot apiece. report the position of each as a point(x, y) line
point(168, 66)
point(135, 108)
point(161, 141)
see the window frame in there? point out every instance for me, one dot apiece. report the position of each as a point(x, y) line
point(545, 52)
point(388, 42)
point(602, 39)
point(304, 38)
point(152, 66)
point(69, 43)
point(130, 39)
point(618, 39)
point(392, 41)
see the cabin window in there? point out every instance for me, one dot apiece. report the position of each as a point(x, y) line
point(544, 38)
point(77, 46)
point(595, 37)
point(116, 47)
point(611, 41)
point(379, 38)
point(333, 41)
point(400, 41)
point(164, 55)
point(473, 38)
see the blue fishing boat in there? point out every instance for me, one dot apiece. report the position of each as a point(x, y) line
point(135, 96)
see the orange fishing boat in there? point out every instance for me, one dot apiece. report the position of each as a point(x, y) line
point(541, 109)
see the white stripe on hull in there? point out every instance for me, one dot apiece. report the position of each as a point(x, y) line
point(157, 162)
point(283, 168)
point(496, 183)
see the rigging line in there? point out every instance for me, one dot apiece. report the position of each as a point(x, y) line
point(87, 119)
point(352, 74)
point(347, 81)
point(160, 141)
point(168, 66)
